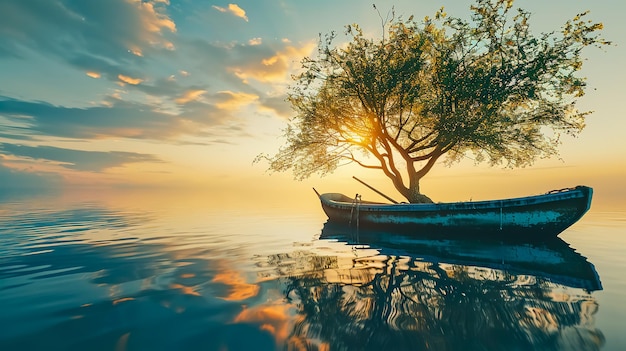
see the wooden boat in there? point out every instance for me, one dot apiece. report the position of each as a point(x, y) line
point(540, 215)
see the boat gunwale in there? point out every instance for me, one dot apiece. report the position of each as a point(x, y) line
point(577, 192)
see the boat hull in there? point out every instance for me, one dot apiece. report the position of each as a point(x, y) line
point(541, 215)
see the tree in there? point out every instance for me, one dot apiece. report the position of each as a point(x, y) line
point(441, 87)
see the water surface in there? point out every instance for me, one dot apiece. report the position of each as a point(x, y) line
point(134, 272)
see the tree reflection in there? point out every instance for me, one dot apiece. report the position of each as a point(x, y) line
point(407, 302)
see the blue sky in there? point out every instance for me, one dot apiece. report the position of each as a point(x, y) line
point(176, 91)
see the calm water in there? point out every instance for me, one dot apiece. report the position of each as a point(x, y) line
point(130, 272)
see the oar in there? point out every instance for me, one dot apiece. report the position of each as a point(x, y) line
point(318, 194)
point(378, 192)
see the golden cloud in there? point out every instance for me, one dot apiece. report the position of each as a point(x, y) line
point(237, 11)
point(95, 75)
point(234, 9)
point(151, 19)
point(276, 68)
point(152, 22)
point(255, 41)
point(129, 80)
point(229, 100)
point(136, 51)
point(190, 95)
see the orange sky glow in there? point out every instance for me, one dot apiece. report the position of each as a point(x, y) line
point(168, 101)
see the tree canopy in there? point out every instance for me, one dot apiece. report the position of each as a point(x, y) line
point(439, 89)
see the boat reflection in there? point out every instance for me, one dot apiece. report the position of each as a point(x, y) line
point(396, 292)
point(551, 259)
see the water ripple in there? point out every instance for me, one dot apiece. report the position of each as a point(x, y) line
point(87, 276)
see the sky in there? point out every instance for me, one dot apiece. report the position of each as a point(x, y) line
point(185, 93)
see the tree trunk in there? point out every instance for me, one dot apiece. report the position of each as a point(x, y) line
point(415, 197)
point(413, 193)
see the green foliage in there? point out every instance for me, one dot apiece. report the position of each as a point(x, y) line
point(444, 86)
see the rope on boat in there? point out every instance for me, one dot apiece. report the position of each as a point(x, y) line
point(560, 190)
point(356, 204)
point(501, 215)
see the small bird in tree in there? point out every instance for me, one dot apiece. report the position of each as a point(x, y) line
point(438, 89)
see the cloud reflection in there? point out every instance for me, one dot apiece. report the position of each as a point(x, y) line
point(238, 288)
point(83, 290)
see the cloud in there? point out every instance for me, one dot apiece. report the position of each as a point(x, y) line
point(13, 178)
point(193, 93)
point(129, 80)
point(278, 105)
point(128, 42)
point(163, 87)
point(233, 9)
point(265, 61)
point(228, 100)
point(255, 41)
point(259, 68)
point(274, 65)
point(190, 95)
point(93, 161)
point(16, 136)
point(110, 33)
point(116, 119)
point(151, 19)
point(237, 11)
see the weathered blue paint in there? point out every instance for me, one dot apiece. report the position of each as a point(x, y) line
point(545, 215)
